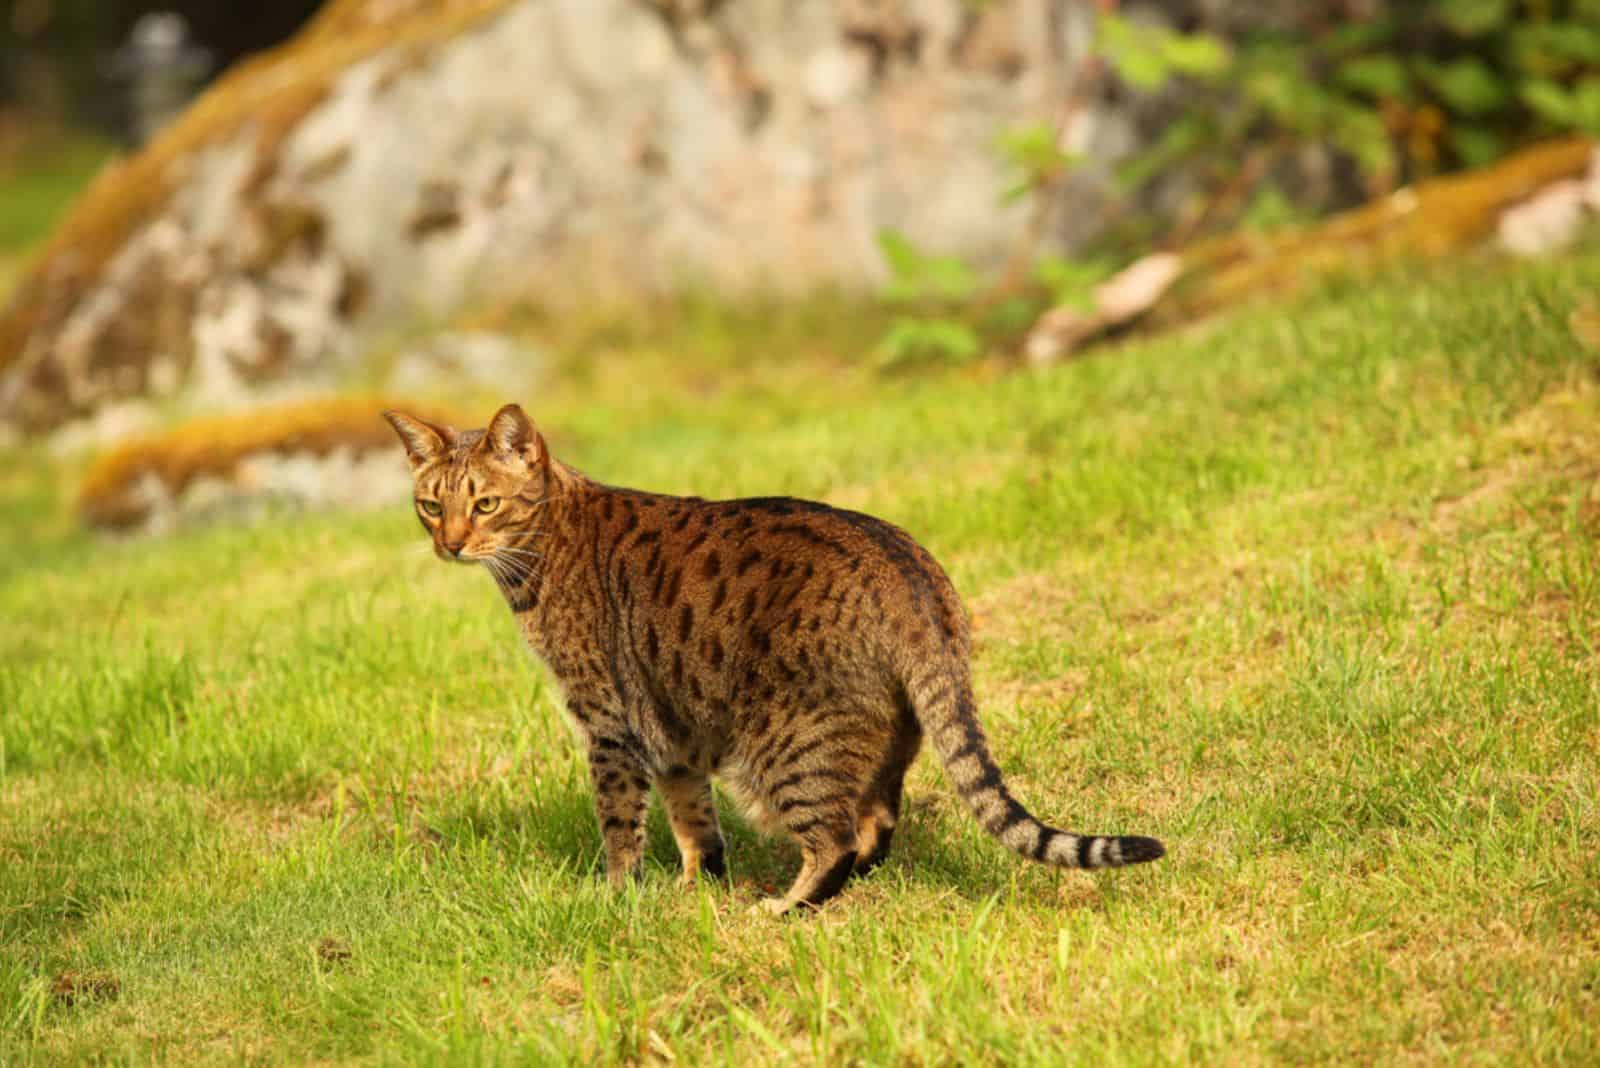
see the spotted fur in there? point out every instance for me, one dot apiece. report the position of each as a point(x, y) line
point(796, 651)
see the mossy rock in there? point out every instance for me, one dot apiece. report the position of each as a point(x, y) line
point(1433, 219)
point(399, 159)
point(1440, 217)
point(331, 452)
point(108, 309)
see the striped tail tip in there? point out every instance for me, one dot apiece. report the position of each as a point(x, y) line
point(1136, 850)
point(1091, 851)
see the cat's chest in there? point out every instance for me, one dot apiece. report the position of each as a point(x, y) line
point(572, 654)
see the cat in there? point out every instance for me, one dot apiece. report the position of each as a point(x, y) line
point(798, 652)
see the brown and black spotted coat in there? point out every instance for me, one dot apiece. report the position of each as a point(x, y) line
point(796, 651)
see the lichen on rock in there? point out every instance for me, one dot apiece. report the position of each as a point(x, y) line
point(196, 263)
point(328, 453)
point(400, 157)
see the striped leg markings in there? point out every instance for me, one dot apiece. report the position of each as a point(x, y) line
point(621, 795)
point(692, 813)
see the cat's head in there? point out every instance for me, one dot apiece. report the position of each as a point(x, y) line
point(479, 493)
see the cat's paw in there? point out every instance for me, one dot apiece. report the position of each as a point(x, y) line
point(770, 906)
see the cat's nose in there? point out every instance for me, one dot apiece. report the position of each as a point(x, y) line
point(454, 547)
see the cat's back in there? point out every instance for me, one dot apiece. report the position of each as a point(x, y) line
point(787, 568)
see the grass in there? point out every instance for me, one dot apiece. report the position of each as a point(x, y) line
point(1309, 592)
point(39, 182)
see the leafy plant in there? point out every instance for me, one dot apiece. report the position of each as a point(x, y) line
point(925, 339)
point(1148, 56)
point(1034, 154)
point(1415, 89)
point(930, 287)
point(1577, 107)
point(1071, 281)
point(1419, 87)
point(918, 277)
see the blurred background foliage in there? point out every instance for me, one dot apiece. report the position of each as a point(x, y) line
point(65, 108)
point(1411, 90)
point(1380, 92)
point(58, 57)
point(1346, 101)
point(1256, 117)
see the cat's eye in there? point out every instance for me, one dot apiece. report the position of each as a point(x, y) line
point(430, 508)
point(485, 505)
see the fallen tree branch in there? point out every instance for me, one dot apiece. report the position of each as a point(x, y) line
point(1428, 220)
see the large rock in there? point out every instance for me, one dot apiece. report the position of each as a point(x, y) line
point(401, 156)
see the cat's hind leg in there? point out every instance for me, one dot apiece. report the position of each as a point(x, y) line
point(828, 847)
point(692, 814)
point(878, 810)
point(810, 779)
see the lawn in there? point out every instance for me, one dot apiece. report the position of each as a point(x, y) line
point(37, 184)
point(1309, 592)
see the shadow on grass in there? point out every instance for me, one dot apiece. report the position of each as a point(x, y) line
point(553, 826)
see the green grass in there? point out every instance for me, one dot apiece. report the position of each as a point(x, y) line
point(36, 186)
point(1311, 593)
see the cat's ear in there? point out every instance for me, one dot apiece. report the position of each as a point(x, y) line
point(511, 433)
point(424, 441)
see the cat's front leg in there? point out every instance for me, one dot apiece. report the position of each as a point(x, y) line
point(621, 796)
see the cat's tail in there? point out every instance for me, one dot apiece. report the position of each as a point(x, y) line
point(942, 701)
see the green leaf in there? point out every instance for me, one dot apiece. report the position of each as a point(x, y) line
point(1472, 18)
point(1146, 57)
point(1586, 101)
point(1270, 209)
point(1198, 55)
point(1550, 102)
point(1469, 85)
point(909, 340)
point(1379, 75)
point(901, 255)
point(1071, 281)
point(1182, 136)
point(1275, 80)
point(1362, 134)
point(950, 279)
point(1356, 36)
point(919, 277)
point(1132, 53)
point(1476, 145)
point(1032, 149)
point(1552, 49)
point(1293, 100)
point(1143, 71)
point(1012, 316)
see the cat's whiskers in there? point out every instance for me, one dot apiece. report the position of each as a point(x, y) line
point(518, 569)
point(496, 567)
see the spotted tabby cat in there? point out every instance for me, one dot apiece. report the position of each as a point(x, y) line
point(795, 650)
